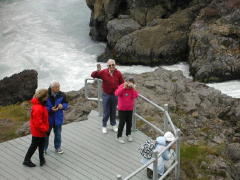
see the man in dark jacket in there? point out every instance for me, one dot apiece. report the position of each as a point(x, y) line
point(56, 103)
point(111, 78)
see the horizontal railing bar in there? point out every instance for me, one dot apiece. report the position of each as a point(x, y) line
point(92, 99)
point(168, 171)
point(147, 122)
point(171, 123)
point(154, 104)
point(151, 161)
point(167, 147)
point(139, 169)
point(150, 124)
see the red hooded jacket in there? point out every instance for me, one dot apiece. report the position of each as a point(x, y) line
point(39, 119)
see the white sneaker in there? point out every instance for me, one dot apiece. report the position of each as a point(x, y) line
point(59, 151)
point(104, 130)
point(129, 138)
point(115, 128)
point(120, 139)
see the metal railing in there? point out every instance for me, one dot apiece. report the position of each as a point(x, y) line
point(168, 126)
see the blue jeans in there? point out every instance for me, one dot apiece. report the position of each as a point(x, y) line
point(109, 109)
point(57, 137)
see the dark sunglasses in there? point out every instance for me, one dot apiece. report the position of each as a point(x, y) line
point(111, 65)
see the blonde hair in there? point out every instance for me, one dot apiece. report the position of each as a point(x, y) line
point(41, 94)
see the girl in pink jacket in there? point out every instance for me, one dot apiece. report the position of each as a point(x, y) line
point(126, 95)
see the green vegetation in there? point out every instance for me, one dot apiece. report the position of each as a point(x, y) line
point(193, 155)
point(12, 117)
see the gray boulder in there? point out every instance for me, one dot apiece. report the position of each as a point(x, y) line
point(117, 28)
point(24, 129)
point(18, 88)
point(164, 43)
point(79, 106)
point(236, 171)
point(102, 12)
point(233, 151)
point(214, 43)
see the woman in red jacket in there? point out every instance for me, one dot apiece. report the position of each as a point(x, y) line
point(39, 127)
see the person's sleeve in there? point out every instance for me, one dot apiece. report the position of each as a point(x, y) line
point(166, 155)
point(38, 120)
point(97, 74)
point(120, 78)
point(64, 102)
point(119, 90)
point(49, 106)
point(135, 94)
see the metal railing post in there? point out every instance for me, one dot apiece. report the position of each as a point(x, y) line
point(134, 122)
point(99, 98)
point(168, 124)
point(177, 168)
point(155, 165)
point(86, 89)
point(119, 177)
point(165, 118)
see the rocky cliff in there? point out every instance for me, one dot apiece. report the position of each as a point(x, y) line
point(205, 33)
point(209, 121)
point(18, 88)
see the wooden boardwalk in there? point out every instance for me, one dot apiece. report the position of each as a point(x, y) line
point(88, 154)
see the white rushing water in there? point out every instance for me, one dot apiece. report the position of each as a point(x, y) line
point(52, 37)
point(231, 88)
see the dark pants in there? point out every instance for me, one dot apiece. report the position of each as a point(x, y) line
point(37, 142)
point(109, 109)
point(124, 117)
point(57, 137)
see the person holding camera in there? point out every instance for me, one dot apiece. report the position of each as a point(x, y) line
point(126, 96)
point(111, 79)
point(56, 103)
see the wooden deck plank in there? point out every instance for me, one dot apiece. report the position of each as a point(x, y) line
point(54, 163)
point(48, 173)
point(20, 148)
point(62, 167)
point(110, 145)
point(82, 168)
point(88, 154)
point(117, 143)
point(91, 128)
point(11, 159)
point(18, 157)
point(108, 150)
point(104, 164)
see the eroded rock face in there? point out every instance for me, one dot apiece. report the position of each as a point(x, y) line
point(142, 11)
point(117, 28)
point(203, 32)
point(214, 42)
point(205, 116)
point(163, 43)
point(233, 151)
point(79, 106)
point(102, 12)
point(18, 88)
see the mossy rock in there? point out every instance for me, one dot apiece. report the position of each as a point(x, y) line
point(12, 117)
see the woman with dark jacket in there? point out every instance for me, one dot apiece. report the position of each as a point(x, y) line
point(39, 127)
